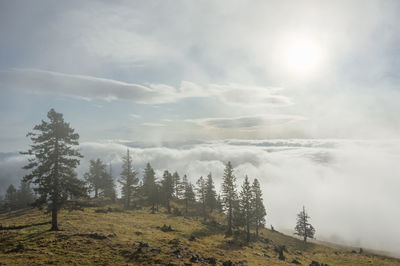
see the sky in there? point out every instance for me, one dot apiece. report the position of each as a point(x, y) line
point(300, 94)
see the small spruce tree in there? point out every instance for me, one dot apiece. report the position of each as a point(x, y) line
point(259, 208)
point(95, 176)
point(11, 198)
point(303, 227)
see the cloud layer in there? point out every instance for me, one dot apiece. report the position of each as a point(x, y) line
point(348, 187)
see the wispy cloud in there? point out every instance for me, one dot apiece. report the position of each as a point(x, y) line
point(149, 124)
point(89, 87)
point(245, 121)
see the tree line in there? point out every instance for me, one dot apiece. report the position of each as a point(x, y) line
point(53, 157)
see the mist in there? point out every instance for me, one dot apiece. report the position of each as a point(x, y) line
point(350, 188)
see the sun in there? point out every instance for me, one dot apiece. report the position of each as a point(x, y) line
point(302, 55)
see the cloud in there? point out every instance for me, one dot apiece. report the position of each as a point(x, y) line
point(88, 87)
point(135, 116)
point(250, 95)
point(148, 124)
point(245, 121)
point(350, 188)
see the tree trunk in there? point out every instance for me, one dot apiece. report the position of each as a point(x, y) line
point(152, 208)
point(229, 222)
point(95, 192)
point(305, 238)
point(186, 206)
point(168, 206)
point(257, 230)
point(248, 231)
point(54, 219)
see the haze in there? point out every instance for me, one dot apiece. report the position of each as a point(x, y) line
point(302, 95)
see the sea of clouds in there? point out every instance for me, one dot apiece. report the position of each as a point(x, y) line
point(350, 188)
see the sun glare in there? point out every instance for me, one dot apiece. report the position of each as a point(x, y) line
point(302, 56)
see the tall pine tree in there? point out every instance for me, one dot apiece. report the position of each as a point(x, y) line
point(259, 208)
point(201, 195)
point(53, 160)
point(150, 190)
point(108, 185)
point(127, 179)
point(167, 187)
point(229, 194)
point(188, 193)
point(211, 194)
point(246, 205)
point(177, 185)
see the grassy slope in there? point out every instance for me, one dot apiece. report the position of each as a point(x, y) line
point(75, 245)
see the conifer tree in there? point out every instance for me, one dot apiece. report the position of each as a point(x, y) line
point(177, 185)
point(246, 205)
point(259, 208)
point(219, 204)
point(167, 186)
point(53, 160)
point(149, 186)
point(108, 185)
point(25, 196)
point(128, 179)
point(188, 193)
point(201, 194)
point(229, 194)
point(11, 198)
point(303, 227)
point(211, 194)
point(95, 176)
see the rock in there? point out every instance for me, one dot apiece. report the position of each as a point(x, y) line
point(143, 244)
point(111, 235)
point(192, 238)
point(166, 228)
point(155, 250)
point(211, 260)
point(266, 255)
point(138, 233)
point(194, 259)
point(294, 261)
point(174, 241)
point(316, 263)
point(353, 251)
point(227, 263)
point(279, 250)
point(298, 252)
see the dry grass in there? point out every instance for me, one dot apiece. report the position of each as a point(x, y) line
point(90, 238)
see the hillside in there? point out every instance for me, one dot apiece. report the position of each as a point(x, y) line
point(111, 236)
